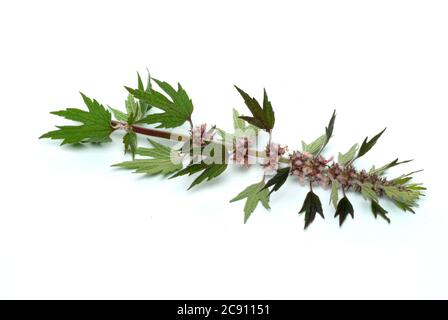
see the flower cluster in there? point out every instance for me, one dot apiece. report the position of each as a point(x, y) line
point(350, 178)
point(273, 153)
point(201, 135)
point(241, 147)
point(305, 166)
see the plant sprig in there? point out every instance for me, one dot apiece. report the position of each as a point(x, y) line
point(169, 107)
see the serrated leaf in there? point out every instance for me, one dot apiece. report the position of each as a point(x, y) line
point(278, 180)
point(405, 198)
point(254, 194)
point(368, 192)
point(177, 109)
point(383, 169)
point(345, 158)
point(368, 144)
point(209, 172)
point(135, 110)
point(130, 143)
point(377, 210)
point(95, 128)
point(211, 166)
point(344, 209)
point(311, 206)
point(161, 161)
point(315, 146)
point(334, 196)
point(262, 118)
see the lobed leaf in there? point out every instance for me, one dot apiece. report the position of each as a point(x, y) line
point(161, 161)
point(311, 206)
point(368, 144)
point(278, 180)
point(344, 209)
point(176, 110)
point(254, 194)
point(377, 210)
point(345, 158)
point(96, 124)
point(262, 118)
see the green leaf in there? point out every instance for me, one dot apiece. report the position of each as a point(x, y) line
point(329, 130)
point(135, 110)
point(130, 143)
point(177, 109)
point(241, 129)
point(345, 158)
point(334, 193)
point(268, 111)
point(383, 169)
point(262, 118)
point(211, 166)
point(311, 206)
point(253, 194)
point(95, 128)
point(368, 192)
point(344, 209)
point(404, 178)
point(315, 146)
point(144, 107)
point(404, 197)
point(132, 105)
point(318, 145)
point(239, 125)
point(368, 144)
point(403, 206)
point(161, 161)
point(209, 171)
point(119, 115)
point(377, 210)
point(278, 180)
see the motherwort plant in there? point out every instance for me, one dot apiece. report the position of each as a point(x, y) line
point(206, 151)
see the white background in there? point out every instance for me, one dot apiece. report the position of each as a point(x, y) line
point(72, 227)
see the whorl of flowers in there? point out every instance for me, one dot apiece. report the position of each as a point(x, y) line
point(273, 154)
point(241, 148)
point(200, 134)
point(307, 167)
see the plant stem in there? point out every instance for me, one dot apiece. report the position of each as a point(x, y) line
point(180, 137)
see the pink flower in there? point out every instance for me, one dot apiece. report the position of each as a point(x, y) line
point(273, 154)
point(201, 135)
point(241, 151)
point(306, 166)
